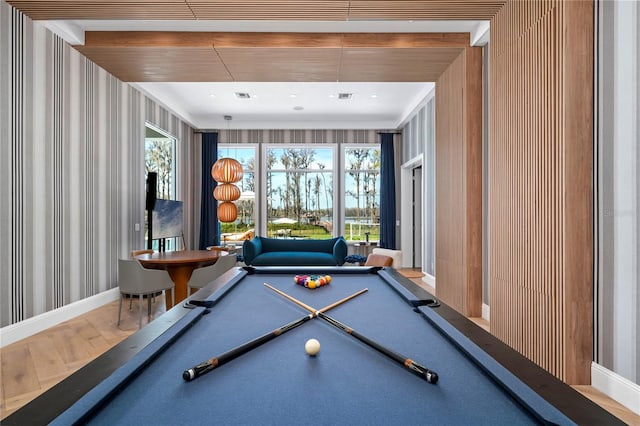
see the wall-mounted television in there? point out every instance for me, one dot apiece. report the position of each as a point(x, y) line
point(167, 219)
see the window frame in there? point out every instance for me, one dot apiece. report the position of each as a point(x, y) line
point(263, 186)
point(174, 195)
point(343, 177)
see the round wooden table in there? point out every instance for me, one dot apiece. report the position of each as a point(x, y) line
point(180, 266)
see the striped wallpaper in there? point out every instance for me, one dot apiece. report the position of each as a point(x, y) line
point(418, 138)
point(72, 179)
point(72, 175)
point(299, 136)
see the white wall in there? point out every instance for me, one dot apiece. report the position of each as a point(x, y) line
point(618, 189)
point(418, 149)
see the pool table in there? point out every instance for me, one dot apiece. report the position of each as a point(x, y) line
point(480, 380)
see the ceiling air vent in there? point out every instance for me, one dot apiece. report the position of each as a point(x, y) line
point(242, 95)
point(345, 95)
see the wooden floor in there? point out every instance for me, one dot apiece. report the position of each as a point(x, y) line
point(31, 366)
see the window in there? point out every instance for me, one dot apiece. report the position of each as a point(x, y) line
point(299, 191)
point(246, 155)
point(362, 193)
point(160, 157)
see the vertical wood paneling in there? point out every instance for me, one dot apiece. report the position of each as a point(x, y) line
point(540, 177)
point(459, 183)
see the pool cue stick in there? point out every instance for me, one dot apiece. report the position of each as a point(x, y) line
point(408, 363)
point(210, 364)
point(420, 370)
point(309, 308)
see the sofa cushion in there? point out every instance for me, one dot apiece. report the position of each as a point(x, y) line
point(396, 255)
point(375, 259)
point(294, 258)
point(265, 251)
point(277, 244)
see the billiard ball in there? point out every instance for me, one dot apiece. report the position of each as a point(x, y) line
point(312, 347)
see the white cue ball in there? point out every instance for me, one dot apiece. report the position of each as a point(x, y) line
point(312, 347)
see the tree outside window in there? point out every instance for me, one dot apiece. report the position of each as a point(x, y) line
point(160, 157)
point(362, 193)
point(299, 192)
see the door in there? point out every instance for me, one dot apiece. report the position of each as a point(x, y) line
point(417, 217)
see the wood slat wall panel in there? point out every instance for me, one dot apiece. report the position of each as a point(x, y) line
point(459, 183)
point(578, 175)
point(540, 154)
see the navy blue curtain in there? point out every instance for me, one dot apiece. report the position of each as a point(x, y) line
point(387, 193)
point(208, 205)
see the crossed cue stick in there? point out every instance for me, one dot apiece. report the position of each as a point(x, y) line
point(414, 367)
point(210, 364)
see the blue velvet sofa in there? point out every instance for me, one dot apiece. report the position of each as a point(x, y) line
point(261, 251)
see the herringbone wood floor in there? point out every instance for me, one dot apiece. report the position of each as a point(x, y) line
point(33, 365)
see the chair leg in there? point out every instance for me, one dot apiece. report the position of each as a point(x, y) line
point(140, 312)
point(149, 308)
point(120, 308)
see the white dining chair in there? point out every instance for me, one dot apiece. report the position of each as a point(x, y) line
point(203, 276)
point(134, 280)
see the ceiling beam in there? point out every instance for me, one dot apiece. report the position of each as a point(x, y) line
point(121, 39)
point(297, 10)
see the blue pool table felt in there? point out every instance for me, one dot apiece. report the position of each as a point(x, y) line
point(278, 383)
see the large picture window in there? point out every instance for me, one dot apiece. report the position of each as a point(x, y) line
point(160, 158)
point(362, 193)
point(299, 191)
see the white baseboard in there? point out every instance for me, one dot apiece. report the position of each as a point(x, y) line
point(429, 279)
point(616, 387)
point(486, 312)
point(23, 329)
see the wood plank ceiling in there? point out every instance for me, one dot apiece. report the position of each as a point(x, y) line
point(162, 56)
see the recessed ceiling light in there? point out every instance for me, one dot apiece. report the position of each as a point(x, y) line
point(293, 95)
point(213, 95)
point(374, 96)
point(332, 95)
